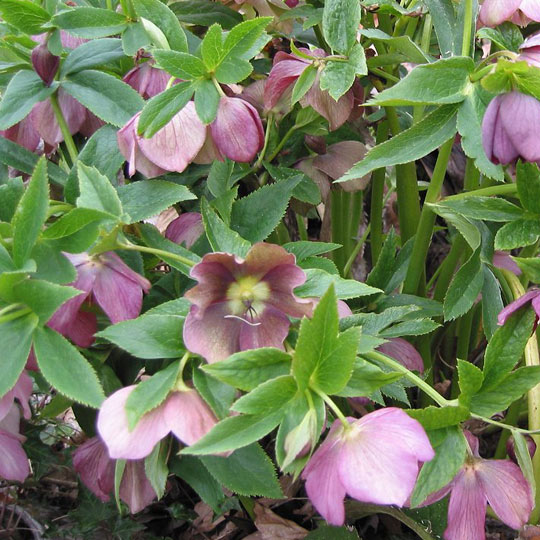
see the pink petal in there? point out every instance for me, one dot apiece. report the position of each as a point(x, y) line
point(213, 336)
point(507, 491)
point(22, 392)
point(467, 508)
point(175, 145)
point(270, 330)
point(531, 8)
point(401, 350)
point(209, 151)
point(494, 12)
point(323, 484)
point(112, 426)
point(237, 130)
point(147, 80)
point(283, 74)
point(188, 416)
point(502, 259)
point(13, 461)
point(82, 329)
point(91, 124)
point(185, 229)
point(516, 304)
point(23, 133)
point(135, 488)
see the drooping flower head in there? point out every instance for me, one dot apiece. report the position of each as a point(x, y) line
point(376, 460)
point(147, 80)
point(509, 128)
point(495, 12)
point(243, 304)
point(497, 482)
point(111, 283)
point(13, 461)
point(45, 63)
point(185, 229)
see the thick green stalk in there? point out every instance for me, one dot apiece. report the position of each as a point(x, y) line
point(157, 253)
point(377, 195)
point(68, 139)
point(336, 211)
point(467, 28)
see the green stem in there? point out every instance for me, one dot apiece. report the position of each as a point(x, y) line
point(467, 28)
point(501, 189)
point(302, 230)
point(282, 143)
point(336, 210)
point(157, 252)
point(356, 251)
point(14, 315)
point(269, 125)
point(320, 38)
point(356, 205)
point(427, 221)
point(68, 139)
point(335, 409)
point(9, 308)
point(511, 417)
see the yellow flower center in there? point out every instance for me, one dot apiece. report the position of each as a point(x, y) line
point(247, 296)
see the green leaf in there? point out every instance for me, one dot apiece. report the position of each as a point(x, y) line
point(269, 397)
point(448, 26)
point(110, 99)
point(93, 53)
point(247, 471)
point(402, 44)
point(233, 70)
point(248, 369)
point(519, 233)
point(254, 217)
point(340, 22)
point(486, 208)
point(217, 394)
point(222, 238)
point(439, 417)
point(242, 39)
point(158, 13)
point(150, 393)
point(207, 100)
point(304, 249)
point(147, 198)
point(468, 230)
point(42, 297)
point(506, 36)
point(506, 347)
point(470, 380)
point(179, 64)
point(66, 369)
point(524, 459)
point(437, 473)
point(134, 37)
point(328, 532)
point(155, 468)
point(52, 265)
point(204, 13)
point(16, 339)
point(72, 222)
point(410, 145)
point(444, 81)
point(234, 432)
point(159, 110)
point(97, 192)
point(90, 22)
point(24, 90)
point(10, 194)
point(338, 77)
point(491, 309)
point(528, 186)
point(26, 16)
point(303, 83)
point(530, 267)
point(318, 282)
point(367, 378)
point(30, 214)
point(212, 46)
point(502, 395)
point(464, 289)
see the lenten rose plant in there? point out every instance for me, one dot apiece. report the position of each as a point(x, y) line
point(270, 268)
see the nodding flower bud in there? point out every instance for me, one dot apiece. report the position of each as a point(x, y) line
point(511, 447)
point(45, 63)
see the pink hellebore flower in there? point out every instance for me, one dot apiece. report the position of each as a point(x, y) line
point(532, 297)
point(172, 148)
point(375, 461)
point(498, 482)
point(401, 350)
point(503, 260)
point(22, 392)
point(13, 461)
point(23, 133)
point(114, 286)
point(285, 72)
point(243, 304)
point(96, 469)
point(183, 413)
point(185, 229)
point(530, 50)
point(509, 128)
point(146, 79)
point(495, 12)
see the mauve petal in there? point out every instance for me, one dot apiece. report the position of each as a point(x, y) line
point(507, 311)
point(254, 94)
point(185, 229)
point(323, 485)
point(321, 179)
point(175, 145)
point(467, 508)
point(147, 80)
point(209, 151)
point(135, 488)
point(401, 350)
point(13, 461)
point(339, 158)
point(188, 416)
point(531, 56)
point(113, 261)
point(472, 441)
point(45, 63)
point(11, 422)
point(91, 460)
point(91, 124)
point(112, 426)
point(283, 74)
point(494, 12)
point(82, 329)
point(23, 133)
point(31, 362)
point(262, 258)
point(490, 124)
point(502, 259)
point(531, 42)
point(22, 392)
point(271, 331)
point(213, 336)
point(531, 8)
point(237, 130)
point(282, 281)
point(437, 496)
point(506, 490)
point(129, 148)
point(69, 41)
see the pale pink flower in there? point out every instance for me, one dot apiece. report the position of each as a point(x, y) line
point(495, 12)
point(20, 392)
point(147, 80)
point(13, 461)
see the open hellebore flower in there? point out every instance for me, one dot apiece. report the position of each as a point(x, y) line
point(532, 297)
point(495, 12)
point(497, 482)
point(13, 461)
point(183, 413)
point(185, 229)
point(172, 148)
point(285, 72)
point(375, 461)
point(96, 469)
point(510, 128)
point(243, 304)
point(146, 79)
point(114, 286)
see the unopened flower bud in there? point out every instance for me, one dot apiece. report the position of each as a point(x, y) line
point(511, 447)
point(45, 63)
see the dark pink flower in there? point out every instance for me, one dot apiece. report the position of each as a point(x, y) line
point(243, 304)
point(532, 297)
point(45, 63)
point(185, 229)
point(499, 483)
point(495, 12)
point(183, 413)
point(23, 133)
point(68, 41)
point(509, 128)
point(376, 460)
point(13, 461)
point(111, 283)
point(146, 79)
point(172, 148)
point(91, 460)
point(401, 350)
